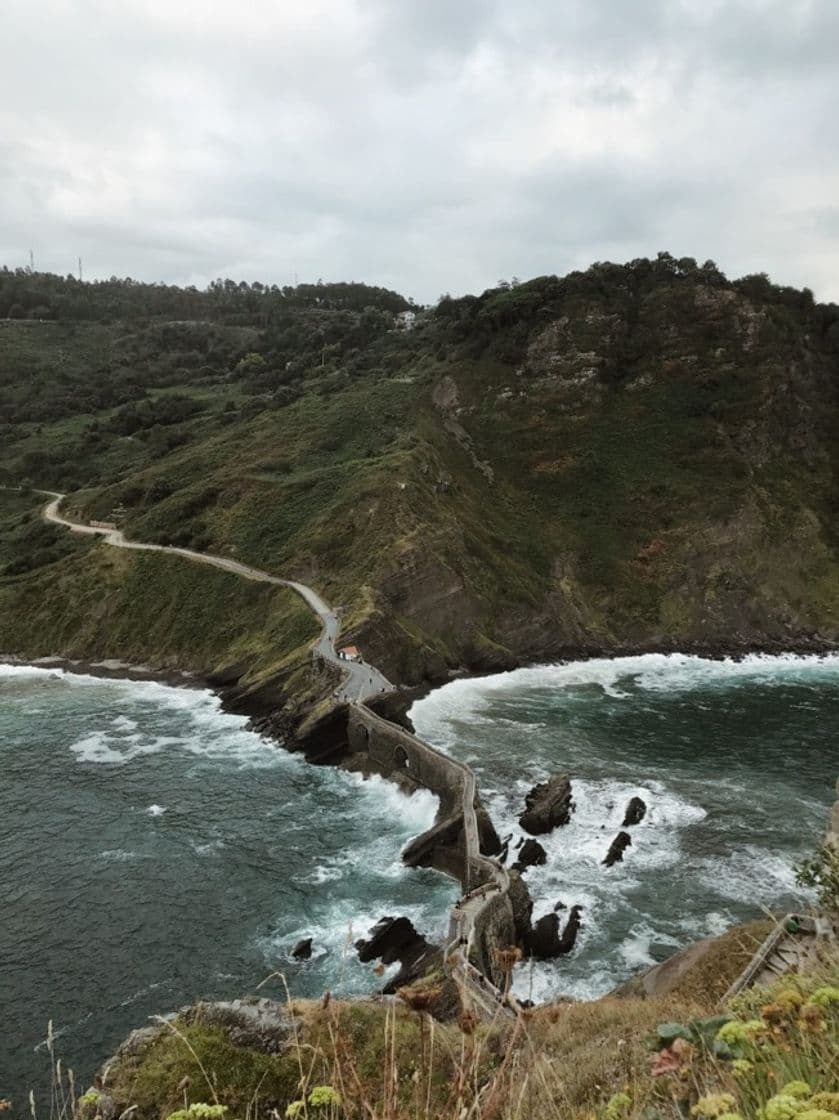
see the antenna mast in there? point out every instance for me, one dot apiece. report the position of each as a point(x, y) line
point(80, 269)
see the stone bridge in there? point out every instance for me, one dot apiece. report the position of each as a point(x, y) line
point(461, 843)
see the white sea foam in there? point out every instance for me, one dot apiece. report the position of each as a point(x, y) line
point(324, 873)
point(155, 810)
point(208, 848)
point(35, 672)
point(335, 926)
point(98, 747)
point(120, 855)
point(635, 950)
point(618, 678)
point(416, 812)
point(751, 873)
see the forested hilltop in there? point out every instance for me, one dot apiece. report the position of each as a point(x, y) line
point(634, 456)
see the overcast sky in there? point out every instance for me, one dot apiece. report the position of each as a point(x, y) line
point(427, 145)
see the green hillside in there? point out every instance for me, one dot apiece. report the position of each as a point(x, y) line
point(637, 456)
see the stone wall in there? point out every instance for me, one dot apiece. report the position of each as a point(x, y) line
point(386, 748)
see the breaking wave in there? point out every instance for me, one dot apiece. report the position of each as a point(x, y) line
point(730, 757)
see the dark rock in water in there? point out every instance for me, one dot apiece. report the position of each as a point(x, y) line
point(636, 810)
point(395, 939)
point(505, 851)
point(545, 939)
point(618, 846)
point(532, 854)
point(389, 938)
point(547, 806)
point(560, 905)
point(488, 839)
point(572, 928)
point(302, 951)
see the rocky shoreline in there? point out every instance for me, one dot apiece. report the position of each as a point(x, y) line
point(269, 707)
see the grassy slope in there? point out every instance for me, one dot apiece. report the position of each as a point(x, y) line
point(95, 601)
point(562, 1060)
point(664, 473)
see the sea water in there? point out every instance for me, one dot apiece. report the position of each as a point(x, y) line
point(736, 761)
point(153, 851)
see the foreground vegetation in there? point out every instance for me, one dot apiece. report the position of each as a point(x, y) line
point(770, 1055)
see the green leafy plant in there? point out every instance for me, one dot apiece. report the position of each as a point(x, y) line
point(820, 872)
point(199, 1111)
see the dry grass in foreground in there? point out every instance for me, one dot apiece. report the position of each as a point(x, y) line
point(772, 1055)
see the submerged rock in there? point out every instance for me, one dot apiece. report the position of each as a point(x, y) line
point(532, 854)
point(302, 951)
point(616, 849)
point(635, 812)
point(548, 805)
point(395, 939)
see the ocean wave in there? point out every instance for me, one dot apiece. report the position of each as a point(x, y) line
point(416, 811)
point(99, 747)
point(754, 874)
point(618, 678)
point(34, 672)
point(121, 855)
point(123, 723)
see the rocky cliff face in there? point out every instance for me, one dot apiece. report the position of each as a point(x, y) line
point(650, 465)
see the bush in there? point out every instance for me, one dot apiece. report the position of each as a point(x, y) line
point(821, 873)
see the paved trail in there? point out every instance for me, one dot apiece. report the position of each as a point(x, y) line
point(360, 683)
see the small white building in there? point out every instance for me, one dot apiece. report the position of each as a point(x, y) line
point(349, 653)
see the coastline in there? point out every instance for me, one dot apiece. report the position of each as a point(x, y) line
point(396, 704)
point(114, 669)
point(111, 669)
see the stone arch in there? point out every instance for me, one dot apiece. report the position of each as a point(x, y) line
point(401, 759)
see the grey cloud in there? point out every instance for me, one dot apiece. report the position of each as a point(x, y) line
point(428, 145)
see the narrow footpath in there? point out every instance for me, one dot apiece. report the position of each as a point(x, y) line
point(361, 682)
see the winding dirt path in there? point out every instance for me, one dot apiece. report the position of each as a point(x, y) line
point(361, 681)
